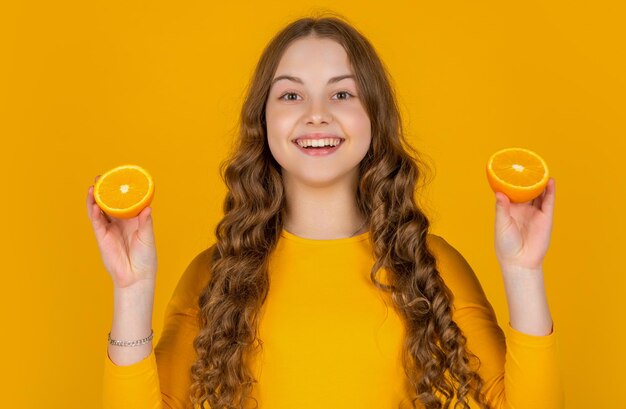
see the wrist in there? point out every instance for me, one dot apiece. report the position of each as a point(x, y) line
point(523, 281)
point(132, 310)
point(527, 300)
point(140, 290)
point(520, 271)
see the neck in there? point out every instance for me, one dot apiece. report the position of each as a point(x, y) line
point(322, 212)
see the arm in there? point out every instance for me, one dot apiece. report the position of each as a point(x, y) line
point(162, 379)
point(519, 370)
point(522, 237)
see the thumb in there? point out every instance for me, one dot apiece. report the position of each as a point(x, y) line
point(145, 229)
point(502, 207)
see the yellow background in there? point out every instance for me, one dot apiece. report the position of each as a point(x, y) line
point(85, 86)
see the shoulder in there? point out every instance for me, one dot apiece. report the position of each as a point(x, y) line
point(444, 252)
point(194, 279)
point(455, 270)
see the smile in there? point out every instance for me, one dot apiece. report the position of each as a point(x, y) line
point(318, 151)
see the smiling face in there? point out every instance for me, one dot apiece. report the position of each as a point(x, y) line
point(314, 93)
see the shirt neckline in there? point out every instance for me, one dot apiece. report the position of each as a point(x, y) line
point(292, 237)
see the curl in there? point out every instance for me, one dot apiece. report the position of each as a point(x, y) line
point(435, 357)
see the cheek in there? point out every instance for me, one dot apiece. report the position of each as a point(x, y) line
point(353, 112)
point(278, 121)
point(357, 121)
point(278, 126)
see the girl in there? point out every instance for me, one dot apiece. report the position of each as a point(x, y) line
point(320, 234)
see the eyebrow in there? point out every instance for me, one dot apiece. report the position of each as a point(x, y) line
point(298, 80)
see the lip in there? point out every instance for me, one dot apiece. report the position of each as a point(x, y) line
point(318, 136)
point(319, 151)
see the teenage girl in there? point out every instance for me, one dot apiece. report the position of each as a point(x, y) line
point(324, 287)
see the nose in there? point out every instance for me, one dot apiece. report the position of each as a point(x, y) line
point(317, 113)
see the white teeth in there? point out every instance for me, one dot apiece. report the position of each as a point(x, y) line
point(318, 142)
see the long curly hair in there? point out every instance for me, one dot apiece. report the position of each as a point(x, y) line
point(435, 358)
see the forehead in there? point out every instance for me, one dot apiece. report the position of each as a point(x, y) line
point(320, 56)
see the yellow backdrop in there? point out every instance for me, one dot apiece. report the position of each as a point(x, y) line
point(85, 86)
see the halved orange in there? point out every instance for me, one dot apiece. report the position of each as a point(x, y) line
point(124, 191)
point(519, 173)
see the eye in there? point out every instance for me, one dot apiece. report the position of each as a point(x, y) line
point(288, 94)
point(346, 94)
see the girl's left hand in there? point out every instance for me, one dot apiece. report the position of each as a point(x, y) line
point(522, 230)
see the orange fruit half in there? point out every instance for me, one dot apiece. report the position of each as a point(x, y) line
point(124, 191)
point(519, 173)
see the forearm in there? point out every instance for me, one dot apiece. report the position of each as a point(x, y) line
point(527, 301)
point(132, 320)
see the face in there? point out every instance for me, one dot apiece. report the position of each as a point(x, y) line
point(314, 94)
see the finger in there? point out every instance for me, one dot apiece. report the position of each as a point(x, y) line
point(89, 201)
point(536, 203)
point(98, 221)
point(96, 179)
point(145, 229)
point(502, 206)
point(105, 216)
point(95, 211)
point(550, 194)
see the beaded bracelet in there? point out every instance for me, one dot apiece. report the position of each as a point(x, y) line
point(131, 343)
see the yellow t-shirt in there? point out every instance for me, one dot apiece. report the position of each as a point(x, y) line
point(331, 339)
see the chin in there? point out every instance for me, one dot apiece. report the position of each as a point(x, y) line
point(321, 179)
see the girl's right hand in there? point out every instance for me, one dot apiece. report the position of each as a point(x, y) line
point(126, 245)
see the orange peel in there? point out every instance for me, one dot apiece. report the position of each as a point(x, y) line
point(124, 191)
point(519, 173)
